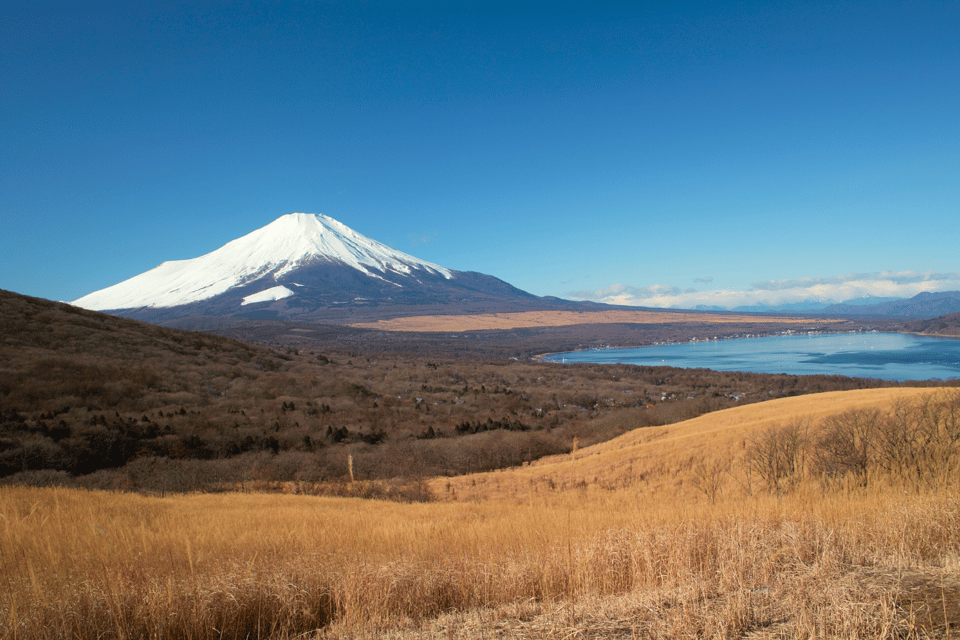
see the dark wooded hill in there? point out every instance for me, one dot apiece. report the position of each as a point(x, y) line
point(946, 325)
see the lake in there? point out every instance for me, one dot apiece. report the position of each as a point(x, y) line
point(888, 356)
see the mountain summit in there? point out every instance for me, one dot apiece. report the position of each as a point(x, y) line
point(284, 246)
point(302, 267)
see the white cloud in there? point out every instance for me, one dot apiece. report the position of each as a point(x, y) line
point(828, 290)
point(905, 278)
point(420, 239)
point(624, 294)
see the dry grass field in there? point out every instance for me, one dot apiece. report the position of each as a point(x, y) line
point(618, 546)
point(536, 319)
point(665, 460)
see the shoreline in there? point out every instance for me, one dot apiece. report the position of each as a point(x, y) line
point(955, 375)
point(542, 356)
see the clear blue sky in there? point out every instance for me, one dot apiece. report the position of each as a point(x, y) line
point(644, 152)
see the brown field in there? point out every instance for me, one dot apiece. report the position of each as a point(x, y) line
point(537, 319)
point(609, 541)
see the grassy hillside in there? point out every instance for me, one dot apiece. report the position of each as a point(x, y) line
point(821, 557)
point(668, 459)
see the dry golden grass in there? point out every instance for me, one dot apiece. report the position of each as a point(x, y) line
point(99, 565)
point(531, 319)
point(577, 562)
point(659, 460)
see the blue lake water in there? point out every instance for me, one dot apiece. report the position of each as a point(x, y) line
point(889, 356)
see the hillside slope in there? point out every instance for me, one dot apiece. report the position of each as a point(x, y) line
point(662, 460)
point(946, 325)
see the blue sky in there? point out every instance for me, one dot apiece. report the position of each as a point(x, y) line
point(657, 153)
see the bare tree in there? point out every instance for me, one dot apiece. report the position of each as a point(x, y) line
point(708, 476)
point(845, 444)
point(778, 455)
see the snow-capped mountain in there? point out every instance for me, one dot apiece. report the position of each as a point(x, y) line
point(280, 248)
point(301, 266)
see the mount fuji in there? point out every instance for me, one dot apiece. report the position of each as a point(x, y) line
point(307, 267)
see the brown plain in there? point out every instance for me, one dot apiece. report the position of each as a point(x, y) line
point(536, 319)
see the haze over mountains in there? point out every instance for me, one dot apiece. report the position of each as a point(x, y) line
point(306, 267)
point(922, 305)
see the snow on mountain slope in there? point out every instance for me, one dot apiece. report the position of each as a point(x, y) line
point(273, 293)
point(291, 241)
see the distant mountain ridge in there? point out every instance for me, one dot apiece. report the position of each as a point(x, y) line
point(922, 305)
point(307, 267)
point(810, 306)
